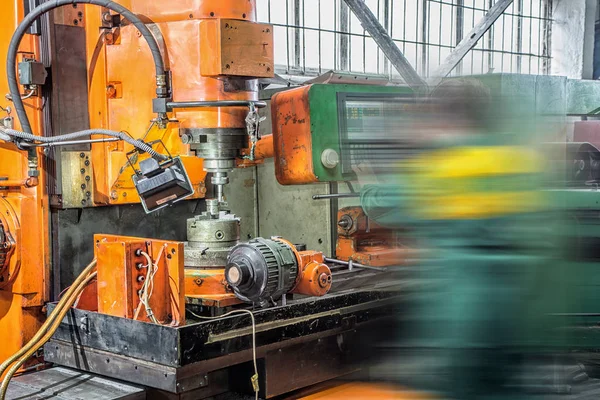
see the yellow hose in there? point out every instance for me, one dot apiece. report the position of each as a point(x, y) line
point(50, 319)
point(56, 318)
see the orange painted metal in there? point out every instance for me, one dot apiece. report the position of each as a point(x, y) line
point(165, 11)
point(365, 242)
point(208, 287)
point(292, 139)
point(24, 284)
point(236, 48)
point(314, 276)
point(122, 270)
point(263, 150)
point(360, 391)
point(122, 56)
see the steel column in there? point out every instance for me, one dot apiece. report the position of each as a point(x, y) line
point(468, 42)
point(370, 23)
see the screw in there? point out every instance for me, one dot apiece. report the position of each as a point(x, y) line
point(82, 155)
point(198, 281)
point(83, 201)
point(83, 185)
point(87, 178)
point(88, 194)
point(114, 195)
point(82, 170)
point(87, 163)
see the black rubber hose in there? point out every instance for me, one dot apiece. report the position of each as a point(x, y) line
point(11, 58)
point(138, 144)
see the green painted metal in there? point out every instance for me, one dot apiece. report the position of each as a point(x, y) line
point(324, 119)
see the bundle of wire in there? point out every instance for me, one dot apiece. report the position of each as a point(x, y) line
point(148, 286)
point(16, 361)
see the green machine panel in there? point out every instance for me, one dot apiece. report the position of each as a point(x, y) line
point(321, 131)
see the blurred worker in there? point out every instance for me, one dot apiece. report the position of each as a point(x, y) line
point(470, 196)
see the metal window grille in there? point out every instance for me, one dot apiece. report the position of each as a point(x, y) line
point(315, 36)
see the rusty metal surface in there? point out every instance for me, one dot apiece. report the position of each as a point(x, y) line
point(238, 48)
point(67, 384)
point(76, 177)
point(121, 276)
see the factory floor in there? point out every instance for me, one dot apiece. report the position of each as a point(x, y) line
point(65, 384)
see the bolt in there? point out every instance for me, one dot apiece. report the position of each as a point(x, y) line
point(323, 279)
point(124, 194)
point(83, 201)
point(87, 178)
point(106, 17)
point(114, 195)
point(88, 194)
point(185, 138)
point(82, 170)
point(111, 91)
point(83, 186)
point(87, 163)
point(82, 155)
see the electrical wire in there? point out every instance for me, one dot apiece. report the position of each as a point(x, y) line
point(148, 286)
point(254, 378)
point(47, 331)
point(138, 144)
point(35, 13)
point(51, 318)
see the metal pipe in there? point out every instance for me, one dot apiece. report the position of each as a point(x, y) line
point(72, 142)
point(215, 103)
point(353, 264)
point(28, 183)
point(335, 196)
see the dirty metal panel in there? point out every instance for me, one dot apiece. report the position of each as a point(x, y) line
point(64, 383)
point(241, 194)
point(303, 365)
point(290, 211)
point(149, 342)
point(74, 229)
point(76, 179)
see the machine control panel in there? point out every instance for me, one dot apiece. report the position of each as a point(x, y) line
point(322, 131)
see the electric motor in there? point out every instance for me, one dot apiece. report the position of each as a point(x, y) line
point(262, 270)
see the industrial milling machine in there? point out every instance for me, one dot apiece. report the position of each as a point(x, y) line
point(123, 124)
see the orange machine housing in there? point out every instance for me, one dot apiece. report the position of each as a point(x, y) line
point(292, 137)
point(365, 242)
point(122, 270)
point(24, 213)
point(204, 43)
point(314, 276)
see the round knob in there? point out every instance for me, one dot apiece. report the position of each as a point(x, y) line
point(237, 274)
point(330, 158)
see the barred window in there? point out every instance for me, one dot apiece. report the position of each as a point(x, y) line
point(315, 36)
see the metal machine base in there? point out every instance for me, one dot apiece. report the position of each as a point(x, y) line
point(300, 344)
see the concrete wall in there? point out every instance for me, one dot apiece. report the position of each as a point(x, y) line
point(572, 43)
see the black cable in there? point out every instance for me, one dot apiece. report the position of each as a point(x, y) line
point(11, 58)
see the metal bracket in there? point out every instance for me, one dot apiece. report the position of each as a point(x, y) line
point(468, 42)
point(371, 24)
